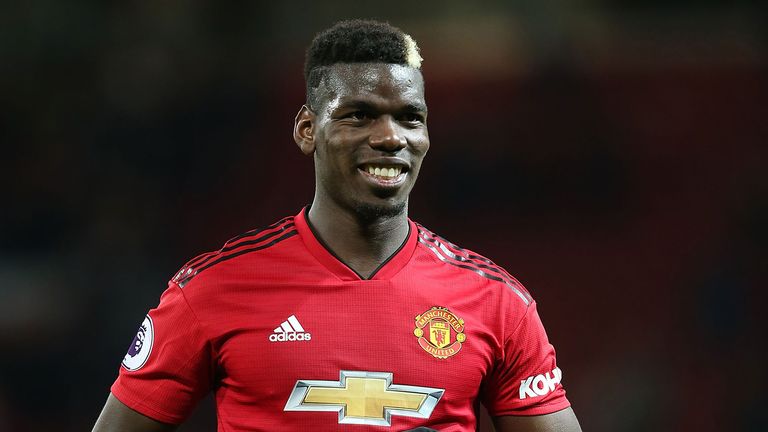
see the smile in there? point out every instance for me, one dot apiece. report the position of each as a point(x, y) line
point(384, 175)
point(383, 171)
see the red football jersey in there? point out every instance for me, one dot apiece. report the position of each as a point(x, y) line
point(290, 338)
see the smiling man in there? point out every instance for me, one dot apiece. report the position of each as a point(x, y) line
point(348, 315)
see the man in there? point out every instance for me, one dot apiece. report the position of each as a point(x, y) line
point(348, 315)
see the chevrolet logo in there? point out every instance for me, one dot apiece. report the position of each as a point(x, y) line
point(367, 398)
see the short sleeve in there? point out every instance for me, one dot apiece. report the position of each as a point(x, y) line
point(168, 367)
point(525, 380)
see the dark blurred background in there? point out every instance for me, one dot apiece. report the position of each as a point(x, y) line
point(612, 155)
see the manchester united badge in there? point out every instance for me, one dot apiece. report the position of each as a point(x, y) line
point(440, 332)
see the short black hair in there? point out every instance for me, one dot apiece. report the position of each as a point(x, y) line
point(356, 41)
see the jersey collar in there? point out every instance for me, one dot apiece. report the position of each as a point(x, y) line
point(387, 270)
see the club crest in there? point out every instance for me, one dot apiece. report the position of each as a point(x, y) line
point(440, 332)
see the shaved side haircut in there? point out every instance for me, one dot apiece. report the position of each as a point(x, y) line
point(356, 41)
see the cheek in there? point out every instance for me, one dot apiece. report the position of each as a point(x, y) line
point(425, 146)
point(420, 143)
point(333, 157)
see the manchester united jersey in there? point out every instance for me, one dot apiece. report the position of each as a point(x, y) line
point(290, 338)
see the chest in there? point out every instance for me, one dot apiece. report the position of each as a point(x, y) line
point(364, 346)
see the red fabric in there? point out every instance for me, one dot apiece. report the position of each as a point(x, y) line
point(214, 334)
point(178, 372)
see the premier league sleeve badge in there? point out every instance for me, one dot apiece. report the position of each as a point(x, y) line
point(141, 346)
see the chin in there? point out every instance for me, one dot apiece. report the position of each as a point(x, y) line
point(370, 212)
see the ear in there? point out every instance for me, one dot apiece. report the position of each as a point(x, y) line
point(304, 130)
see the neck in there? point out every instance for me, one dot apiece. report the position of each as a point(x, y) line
point(362, 243)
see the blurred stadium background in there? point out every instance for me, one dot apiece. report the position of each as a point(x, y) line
point(612, 155)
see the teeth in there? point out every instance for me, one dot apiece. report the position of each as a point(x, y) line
point(384, 171)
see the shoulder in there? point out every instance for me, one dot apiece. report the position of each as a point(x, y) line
point(457, 259)
point(245, 244)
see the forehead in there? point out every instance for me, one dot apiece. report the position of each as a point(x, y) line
point(373, 83)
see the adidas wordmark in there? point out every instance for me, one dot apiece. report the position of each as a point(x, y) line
point(290, 331)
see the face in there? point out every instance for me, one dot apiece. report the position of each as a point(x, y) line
point(368, 136)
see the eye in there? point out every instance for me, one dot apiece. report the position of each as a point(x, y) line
point(412, 118)
point(359, 115)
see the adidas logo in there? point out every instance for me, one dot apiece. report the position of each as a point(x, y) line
point(290, 331)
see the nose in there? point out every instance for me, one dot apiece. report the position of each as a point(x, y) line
point(386, 135)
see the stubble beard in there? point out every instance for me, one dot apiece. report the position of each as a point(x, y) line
point(368, 213)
